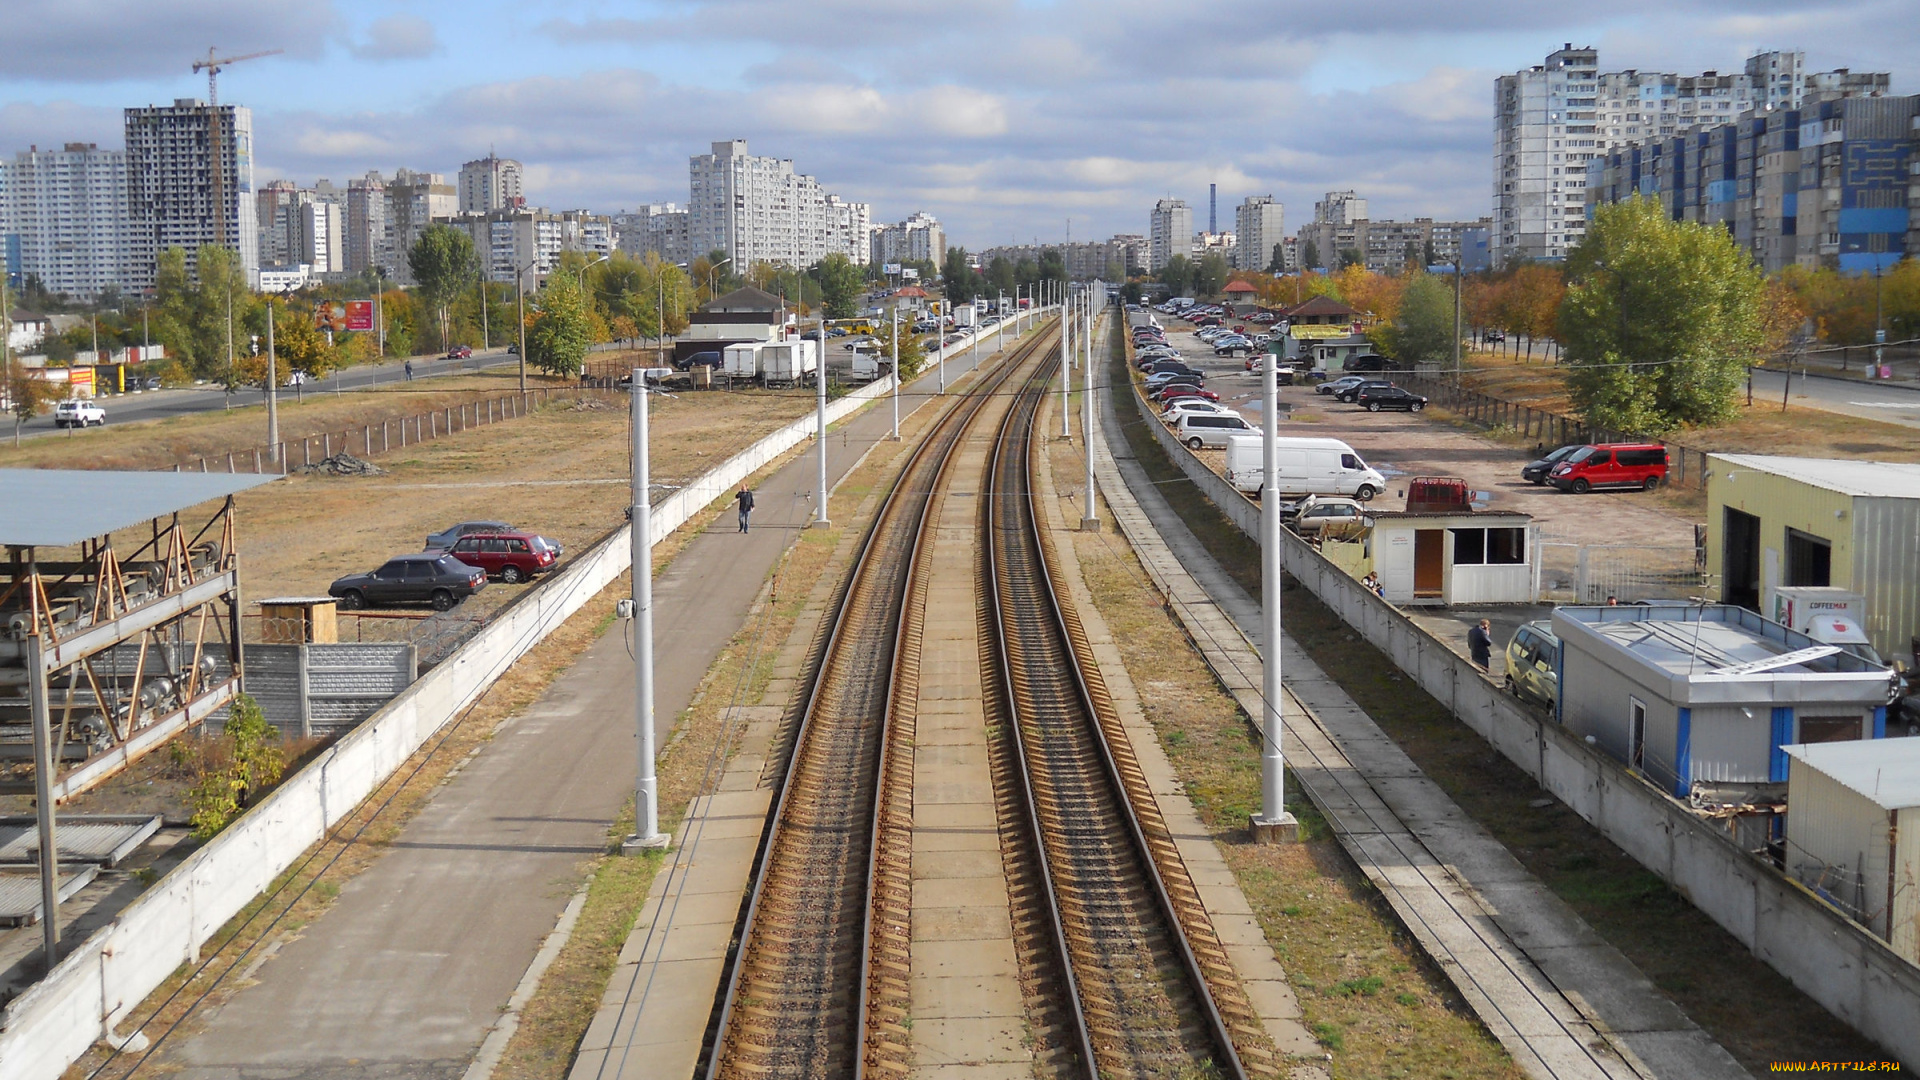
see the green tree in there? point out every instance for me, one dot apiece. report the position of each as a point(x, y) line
point(913, 354)
point(1130, 293)
point(442, 262)
point(958, 279)
point(1000, 275)
point(1350, 257)
point(1053, 267)
point(298, 345)
point(1660, 320)
point(558, 334)
point(1309, 256)
point(1210, 275)
point(1177, 275)
point(1278, 264)
point(1422, 330)
point(840, 284)
point(247, 760)
point(25, 395)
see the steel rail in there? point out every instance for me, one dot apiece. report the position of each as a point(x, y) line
point(942, 440)
point(1012, 482)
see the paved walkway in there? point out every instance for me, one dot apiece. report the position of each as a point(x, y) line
point(409, 971)
point(1561, 1000)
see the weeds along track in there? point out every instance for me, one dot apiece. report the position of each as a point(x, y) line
point(1136, 983)
point(817, 984)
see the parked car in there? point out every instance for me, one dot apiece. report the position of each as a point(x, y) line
point(1611, 465)
point(78, 414)
point(513, 349)
point(1169, 401)
point(1533, 663)
point(430, 577)
point(1209, 431)
point(447, 537)
point(1352, 393)
point(1231, 345)
point(1175, 390)
point(1194, 407)
point(1257, 364)
point(1317, 513)
point(1307, 466)
point(1344, 382)
point(460, 352)
point(708, 359)
point(1536, 472)
point(1377, 398)
point(1369, 362)
point(510, 557)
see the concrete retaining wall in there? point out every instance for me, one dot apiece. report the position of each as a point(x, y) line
point(1832, 959)
point(92, 990)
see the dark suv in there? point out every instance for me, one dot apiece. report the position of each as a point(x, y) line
point(1352, 393)
point(430, 577)
point(1373, 399)
point(511, 557)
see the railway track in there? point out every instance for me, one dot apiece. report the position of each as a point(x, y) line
point(817, 986)
point(1136, 983)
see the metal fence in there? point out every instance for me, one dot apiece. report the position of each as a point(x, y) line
point(324, 689)
point(1576, 573)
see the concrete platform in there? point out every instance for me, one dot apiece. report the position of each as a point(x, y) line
point(1563, 1002)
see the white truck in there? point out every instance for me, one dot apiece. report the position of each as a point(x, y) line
point(1307, 467)
point(741, 361)
point(871, 360)
point(1827, 615)
point(794, 362)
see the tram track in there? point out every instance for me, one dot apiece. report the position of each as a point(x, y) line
point(1125, 975)
point(817, 984)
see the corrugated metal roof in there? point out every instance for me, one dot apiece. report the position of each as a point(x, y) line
point(1874, 479)
point(1886, 772)
point(20, 893)
point(96, 838)
point(61, 507)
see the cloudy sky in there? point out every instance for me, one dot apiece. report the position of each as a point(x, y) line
point(1004, 118)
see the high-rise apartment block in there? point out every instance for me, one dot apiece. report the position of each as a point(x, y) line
point(1169, 233)
point(491, 183)
point(1339, 208)
point(659, 227)
point(1553, 119)
point(530, 242)
point(366, 225)
point(1824, 183)
point(185, 188)
point(1341, 232)
point(414, 200)
point(917, 239)
point(64, 216)
point(757, 209)
point(1259, 226)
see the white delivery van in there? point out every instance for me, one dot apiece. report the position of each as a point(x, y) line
point(871, 361)
point(1307, 467)
point(1827, 615)
point(1210, 430)
point(741, 361)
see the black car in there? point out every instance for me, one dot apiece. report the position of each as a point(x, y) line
point(429, 577)
point(1536, 472)
point(1390, 397)
point(1175, 367)
point(1369, 362)
point(700, 359)
point(1351, 393)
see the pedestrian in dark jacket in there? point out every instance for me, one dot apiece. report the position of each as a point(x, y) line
point(1480, 643)
point(744, 498)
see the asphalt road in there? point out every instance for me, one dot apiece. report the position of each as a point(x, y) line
point(1890, 403)
point(161, 404)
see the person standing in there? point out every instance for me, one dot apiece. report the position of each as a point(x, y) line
point(1480, 643)
point(744, 497)
point(409, 371)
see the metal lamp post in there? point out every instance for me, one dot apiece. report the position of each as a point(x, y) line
point(1089, 514)
point(896, 374)
point(646, 795)
point(820, 519)
point(1272, 823)
point(1066, 368)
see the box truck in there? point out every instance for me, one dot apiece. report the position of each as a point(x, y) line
point(1827, 615)
point(794, 362)
point(741, 361)
point(1306, 466)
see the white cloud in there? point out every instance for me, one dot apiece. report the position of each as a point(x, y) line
point(397, 37)
point(80, 41)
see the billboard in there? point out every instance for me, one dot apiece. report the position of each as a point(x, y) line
point(360, 316)
point(338, 316)
point(890, 269)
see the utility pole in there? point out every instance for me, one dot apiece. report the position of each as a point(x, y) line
point(273, 391)
point(1089, 514)
point(520, 302)
point(820, 520)
point(229, 386)
point(1066, 367)
point(1456, 315)
point(1879, 330)
point(646, 797)
point(895, 437)
point(1273, 823)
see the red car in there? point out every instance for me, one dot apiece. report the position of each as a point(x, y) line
point(511, 557)
point(1187, 394)
point(1635, 466)
point(460, 352)
point(1178, 390)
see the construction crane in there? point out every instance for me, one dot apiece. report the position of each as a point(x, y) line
point(212, 65)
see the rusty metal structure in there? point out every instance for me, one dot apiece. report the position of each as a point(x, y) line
point(119, 626)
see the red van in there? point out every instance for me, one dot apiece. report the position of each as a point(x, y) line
point(1640, 466)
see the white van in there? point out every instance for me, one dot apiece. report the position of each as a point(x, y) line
point(1213, 430)
point(1307, 467)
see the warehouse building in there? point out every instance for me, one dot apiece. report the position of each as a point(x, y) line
point(1819, 522)
point(1853, 833)
point(1711, 694)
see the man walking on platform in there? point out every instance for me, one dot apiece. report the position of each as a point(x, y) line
point(745, 498)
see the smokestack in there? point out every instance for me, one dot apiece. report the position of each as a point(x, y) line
point(1213, 220)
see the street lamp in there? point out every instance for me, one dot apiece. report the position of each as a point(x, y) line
point(713, 272)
